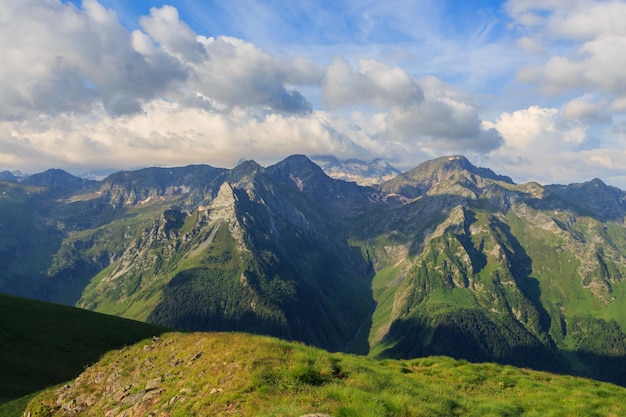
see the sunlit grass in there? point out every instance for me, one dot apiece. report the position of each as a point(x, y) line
point(238, 374)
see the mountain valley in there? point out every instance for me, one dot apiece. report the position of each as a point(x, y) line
point(445, 259)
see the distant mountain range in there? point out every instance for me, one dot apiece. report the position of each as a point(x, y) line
point(446, 259)
point(356, 170)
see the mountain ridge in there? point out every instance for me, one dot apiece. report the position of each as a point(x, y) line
point(356, 170)
point(443, 253)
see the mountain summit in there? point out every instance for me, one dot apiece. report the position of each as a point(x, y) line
point(447, 259)
point(356, 170)
point(439, 173)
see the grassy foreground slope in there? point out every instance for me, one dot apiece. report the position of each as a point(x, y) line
point(42, 344)
point(221, 374)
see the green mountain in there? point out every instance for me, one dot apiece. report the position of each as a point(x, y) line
point(225, 374)
point(43, 344)
point(446, 259)
point(476, 267)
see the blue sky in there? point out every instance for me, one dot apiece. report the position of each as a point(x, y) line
point(534, 89)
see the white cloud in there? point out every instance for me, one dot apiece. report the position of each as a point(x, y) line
point(445, 122)
point(531, 45)
point(237, 73)
point(587, 40)
point(585, 108)
point(169, 134)
point(56, 58)
point(543, 145)
point(427, 113)
point(164, 26)
point(59, 58)
point(374, 83)
point(588, 19)
point(535, 131)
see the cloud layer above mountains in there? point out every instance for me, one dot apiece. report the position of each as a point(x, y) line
point(532, 89)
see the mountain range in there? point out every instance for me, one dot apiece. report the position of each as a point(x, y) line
point(356, 170)
point(445, 259)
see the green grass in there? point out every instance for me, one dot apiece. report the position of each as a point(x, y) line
point(384, 286)
point(244, 375)
point(556, 267)
point(43, 344)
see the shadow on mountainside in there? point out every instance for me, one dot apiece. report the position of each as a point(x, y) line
point(518, 331)
point(484, 341)
point(43, 344)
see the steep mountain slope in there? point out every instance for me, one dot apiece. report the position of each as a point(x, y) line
point(266, 255)
point(447, 174)
point(593, 198)
point(476, 267)
point(447, 258)
point(29, 238)
point(44, 344)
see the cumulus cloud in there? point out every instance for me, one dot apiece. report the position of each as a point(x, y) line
point(228, 70)
point(58, 58)
point(373, 83)
point(597, 32)
point(537, 130)
point(445, 121)
point(237, 73)
point(543, 144)
point(165, 27)
point(426, 113)
point(61, 58)
point(585, 108)
point(169, 134)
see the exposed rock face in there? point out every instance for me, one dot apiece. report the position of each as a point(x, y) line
point(360, 172)
point(446, 252)
point(224, 208)
point(316, 415)
point(450, 174)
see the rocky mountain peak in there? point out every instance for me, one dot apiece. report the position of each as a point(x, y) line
point(607, 202)
point(356, 170)
point(300, 172)
point(297, 166)
point(8, 176)
point(245, 174)
point(448, 171)
point(58, 179)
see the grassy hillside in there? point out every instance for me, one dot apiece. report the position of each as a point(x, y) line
point(510, 284)
point(42, 344)
point(221, 374)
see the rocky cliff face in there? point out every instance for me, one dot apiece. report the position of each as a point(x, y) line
point(355, 170)
point(265, 254)
point(447, 258)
